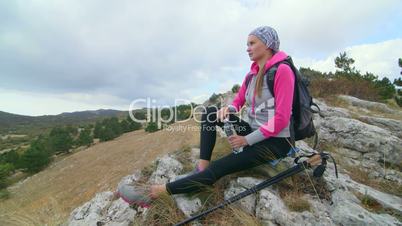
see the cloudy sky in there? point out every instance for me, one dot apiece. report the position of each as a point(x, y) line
point(72, 55)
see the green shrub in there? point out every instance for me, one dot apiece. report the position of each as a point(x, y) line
point(60, 139)
point(152, 127)
point(5, 170)
point(36, 157)
point(108, 129)
point(85, 138)
point(236, 88)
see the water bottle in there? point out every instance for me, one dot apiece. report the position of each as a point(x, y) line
point(229, 131)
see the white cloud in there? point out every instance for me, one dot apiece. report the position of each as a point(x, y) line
point(378, 58)
point(167, 49)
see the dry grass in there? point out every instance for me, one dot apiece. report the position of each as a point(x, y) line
point(369, 202)
point(392, 103)
point(163, 212)
point(230, 215)
point(361, 89)
point(147, 171)
point(304, 183)
point(183, 155)
point(295, 201)
point(335, 101)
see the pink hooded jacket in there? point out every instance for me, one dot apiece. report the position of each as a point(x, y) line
point(283, 89)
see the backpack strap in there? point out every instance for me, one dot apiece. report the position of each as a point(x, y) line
point(272, 72)
point(270, 83)
point(248, 79)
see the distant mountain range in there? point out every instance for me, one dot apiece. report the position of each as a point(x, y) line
point(13, 123)
point(34, 125)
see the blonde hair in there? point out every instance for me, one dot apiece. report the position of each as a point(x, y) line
point(260, 80)
point(260, 75)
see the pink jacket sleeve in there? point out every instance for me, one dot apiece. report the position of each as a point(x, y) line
point(283, 89)
point(240, 98)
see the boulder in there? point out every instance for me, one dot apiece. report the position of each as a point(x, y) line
point(370, 105)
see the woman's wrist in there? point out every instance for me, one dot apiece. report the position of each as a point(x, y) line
point(254, 137)
point(232, 109)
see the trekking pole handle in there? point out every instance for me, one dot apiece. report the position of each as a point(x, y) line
point(315, 160)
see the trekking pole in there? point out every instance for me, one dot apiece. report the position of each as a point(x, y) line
point(314, 160)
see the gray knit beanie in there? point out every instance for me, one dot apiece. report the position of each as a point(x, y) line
point(268, 36)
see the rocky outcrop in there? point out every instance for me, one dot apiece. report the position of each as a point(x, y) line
point(271, 210)
point(371, 143)
point(347, 211)
point(327, 111)
point(104, 210)
point(369, 105)
point(363, 138)
point(168, 168)
point(392, 125)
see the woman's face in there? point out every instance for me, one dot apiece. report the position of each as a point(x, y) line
point(256, 49)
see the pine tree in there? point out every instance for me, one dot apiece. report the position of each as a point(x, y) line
point(37, 156)
point(85, 137)
point(345, 63)
point(133, 125)
point(60, 140)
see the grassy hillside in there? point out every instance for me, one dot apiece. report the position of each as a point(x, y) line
point(49, 196)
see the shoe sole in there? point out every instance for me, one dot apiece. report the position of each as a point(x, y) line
point(133, 202)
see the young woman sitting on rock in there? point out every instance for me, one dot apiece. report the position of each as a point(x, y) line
point(266, 135)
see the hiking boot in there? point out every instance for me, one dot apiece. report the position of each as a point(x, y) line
point(134, 195)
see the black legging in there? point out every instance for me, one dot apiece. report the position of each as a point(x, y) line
point(251, 156)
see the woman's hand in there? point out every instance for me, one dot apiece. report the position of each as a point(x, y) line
point(222, 113)
point(237, 141)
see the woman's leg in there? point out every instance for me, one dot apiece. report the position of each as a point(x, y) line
point(251, 156)
point(207, 141)
point(208, 133)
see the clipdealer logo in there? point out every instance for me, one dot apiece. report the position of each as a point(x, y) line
point(154, 113)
